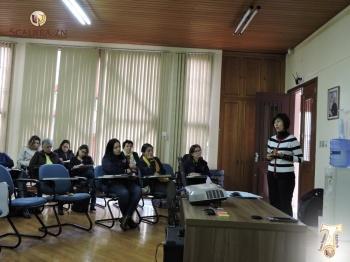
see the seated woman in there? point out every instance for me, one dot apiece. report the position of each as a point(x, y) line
point(127, 190)
point(83, 165)
point(151, 165)
point(64, 153)
point(194, 165)
point(27, 152)
point(44, 157)
point(132, 157)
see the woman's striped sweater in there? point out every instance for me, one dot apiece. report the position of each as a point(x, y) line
point(290, 148)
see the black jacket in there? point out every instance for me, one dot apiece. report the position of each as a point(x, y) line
point(6, 161)
point(87, 162)
point(38, 160)
point(150, 170)
point(191, 166)
point(113, 165)
point(65, 156)
point(136, 157)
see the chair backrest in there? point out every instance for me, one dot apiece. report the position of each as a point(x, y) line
point(6, 177)
point(217, 176)
point(98, 171)
point(168, 169)
point(54, 171)
point(4, 199)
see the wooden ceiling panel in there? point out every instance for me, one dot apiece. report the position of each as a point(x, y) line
point(279, 25)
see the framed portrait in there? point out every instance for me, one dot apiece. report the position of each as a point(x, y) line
point(333, 103)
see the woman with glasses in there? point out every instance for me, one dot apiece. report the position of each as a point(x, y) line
point(82, 165)
point(194, 164)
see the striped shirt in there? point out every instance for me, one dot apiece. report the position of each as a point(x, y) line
point(290, 148)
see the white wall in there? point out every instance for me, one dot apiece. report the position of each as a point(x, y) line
point(17, 85)
point(325, 55)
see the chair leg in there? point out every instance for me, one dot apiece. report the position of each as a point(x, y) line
point(143, 203)
point(60, 225)
point(18, 236)
point(104, 205)
point(153, 219)
point(112, 220)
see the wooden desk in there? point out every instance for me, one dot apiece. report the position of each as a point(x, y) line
point(239, 238)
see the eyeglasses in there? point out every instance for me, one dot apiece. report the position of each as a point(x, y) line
point(197, 151)
point(83, 152)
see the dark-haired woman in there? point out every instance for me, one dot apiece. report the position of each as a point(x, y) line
point(194, 164)
point(65, 154)
point(151, 165)
point(127, 190)
point(131, 156)
point(82, 165)
point(283, 149)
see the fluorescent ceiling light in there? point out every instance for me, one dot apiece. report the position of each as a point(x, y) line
point(247, 13)
point(77, 11)
point(246, 19)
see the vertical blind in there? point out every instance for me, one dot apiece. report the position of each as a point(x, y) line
point(197, 102)
point(76, 91)
point(38, 92)
point(128, 106)
point(90, 96)
point(5, 78)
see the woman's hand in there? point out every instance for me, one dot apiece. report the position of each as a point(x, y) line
point(269, 156)
point(77, 166)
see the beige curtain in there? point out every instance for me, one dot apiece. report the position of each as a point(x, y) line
point(128, 106)
point(38, 92)
point(6, 50)
point(198, 82)
point(76, 97)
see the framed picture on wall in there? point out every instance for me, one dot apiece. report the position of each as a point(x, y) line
point(333, 103)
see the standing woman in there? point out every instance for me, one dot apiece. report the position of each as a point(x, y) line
point(65, 154)
point(283, 149)
point(83, 165)
point(127, 190)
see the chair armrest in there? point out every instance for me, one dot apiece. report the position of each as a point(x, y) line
point(27, 180)
point(62, 179)
point(119, 176)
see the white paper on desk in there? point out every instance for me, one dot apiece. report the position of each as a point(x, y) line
point(242, 194)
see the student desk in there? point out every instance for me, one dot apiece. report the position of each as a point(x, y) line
point(239, 238)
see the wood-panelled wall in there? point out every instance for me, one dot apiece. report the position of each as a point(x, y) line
point(243, 75)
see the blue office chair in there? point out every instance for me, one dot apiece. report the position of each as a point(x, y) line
point(101, 185)
point(56, 182)
point(22, 203)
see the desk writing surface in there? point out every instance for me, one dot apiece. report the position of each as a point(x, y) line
point(240, 212)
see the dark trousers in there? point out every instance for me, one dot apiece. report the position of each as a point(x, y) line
point(128, 192)
point(281, 187)
point(89, 174)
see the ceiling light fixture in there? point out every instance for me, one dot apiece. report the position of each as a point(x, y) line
point(246, 19)
point(77, 11)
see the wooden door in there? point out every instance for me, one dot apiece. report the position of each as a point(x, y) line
point(229, 153)
point(267, 106)
point(308, 136)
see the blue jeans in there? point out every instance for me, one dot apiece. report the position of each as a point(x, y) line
point(128, 193)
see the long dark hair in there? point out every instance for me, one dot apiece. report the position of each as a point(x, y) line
point(86, 147)
point(65, 141)
point(110, 146)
